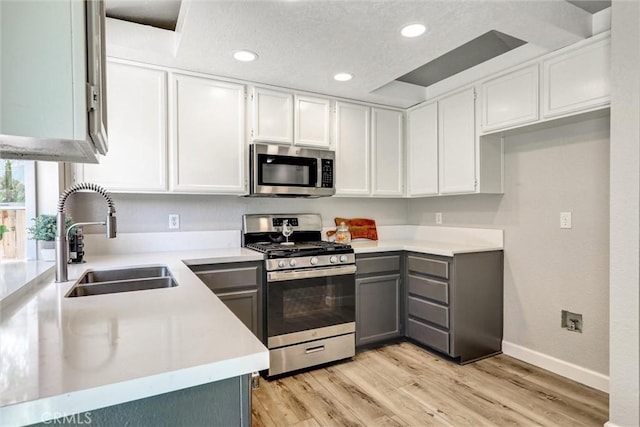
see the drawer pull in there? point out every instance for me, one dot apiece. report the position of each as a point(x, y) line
point(314, 349)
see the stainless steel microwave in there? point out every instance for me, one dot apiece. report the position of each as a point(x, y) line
point(277, 170)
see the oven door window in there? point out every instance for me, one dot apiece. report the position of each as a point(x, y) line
point(287, 171)
point(303, 304)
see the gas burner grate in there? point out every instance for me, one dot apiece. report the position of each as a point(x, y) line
point(299, 249)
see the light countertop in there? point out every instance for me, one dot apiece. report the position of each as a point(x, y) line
point(68, 355)
point(362, 246)
point(17, 277)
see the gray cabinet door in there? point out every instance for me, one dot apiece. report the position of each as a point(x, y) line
point(244, 305)
point(377, 309)
point(239, 286)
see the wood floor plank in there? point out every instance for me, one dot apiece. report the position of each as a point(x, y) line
point(259, 414)
point(536, 403)
point(593, 400)
point(404, 385)
point(311, 422)
point(276, 404)
point(452, 383)
point(408, 411)
point(403, 373)
point(546, 399)
point(361, 402)
point(320, 403)
point(452, 408)
point(387, 421)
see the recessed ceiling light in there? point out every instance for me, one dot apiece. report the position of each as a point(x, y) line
point(245, 55)
point(343, 77)
point(413, 30)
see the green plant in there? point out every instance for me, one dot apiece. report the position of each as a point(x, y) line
point(11, 189)
point(3, 229)
point(44, 227)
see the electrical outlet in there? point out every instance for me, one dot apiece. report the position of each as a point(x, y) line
point(174, 221)
point(565, 219)
point(571, 321)
point(438, 217)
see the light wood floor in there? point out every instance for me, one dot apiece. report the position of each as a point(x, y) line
point(404, 385)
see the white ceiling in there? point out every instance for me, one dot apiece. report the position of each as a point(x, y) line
point(158, 13)
point(302, 44)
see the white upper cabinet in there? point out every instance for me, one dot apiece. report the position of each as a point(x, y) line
point(422, 150)
point(272, 116)
point(577, 79)
point(352, 142)
point(208, 147)
point(51, 65)
point(444, 155)
point(387, 153)
point(457, 143)
point(312, 121)
point(510, 100)
point(137, 108)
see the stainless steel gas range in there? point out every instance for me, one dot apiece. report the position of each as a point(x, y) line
point(310, 291)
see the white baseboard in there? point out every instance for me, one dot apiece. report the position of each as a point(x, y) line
point(577, 373)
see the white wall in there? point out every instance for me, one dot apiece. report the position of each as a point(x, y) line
point(149, 213)
point(564, 168)
point(625, 195)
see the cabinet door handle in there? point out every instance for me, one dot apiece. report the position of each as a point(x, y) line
point(314, 349)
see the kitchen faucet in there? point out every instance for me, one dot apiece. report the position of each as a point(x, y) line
point(62, 235)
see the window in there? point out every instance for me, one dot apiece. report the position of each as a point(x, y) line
point(17, 207)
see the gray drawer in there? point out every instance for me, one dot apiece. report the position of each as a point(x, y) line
point(432, 267)
point(379, 264)
point(428, 335)
point(231, 278)
point(434, 313)
point(429, 288)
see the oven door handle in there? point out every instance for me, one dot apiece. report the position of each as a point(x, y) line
point(280, 276)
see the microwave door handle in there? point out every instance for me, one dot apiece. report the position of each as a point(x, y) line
point(319, 174)
point(280, 276)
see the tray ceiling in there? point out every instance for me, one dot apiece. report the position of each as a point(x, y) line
point(302, 44)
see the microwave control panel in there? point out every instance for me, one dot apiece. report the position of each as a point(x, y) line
point(327, 173)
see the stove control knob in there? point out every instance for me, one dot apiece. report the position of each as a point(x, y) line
point(313, 260)
point(343, 258)
point(281, 264)
point(333, 259)
point(292, 263)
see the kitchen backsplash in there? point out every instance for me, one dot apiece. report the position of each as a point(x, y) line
point(144, 213)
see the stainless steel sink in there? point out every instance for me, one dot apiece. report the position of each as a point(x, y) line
point(94, 276)
point(98, 282)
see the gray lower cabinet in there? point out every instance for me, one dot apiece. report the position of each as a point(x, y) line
point(378, 298)
point(454, 304)
point(222, 403)
point(239, 286)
